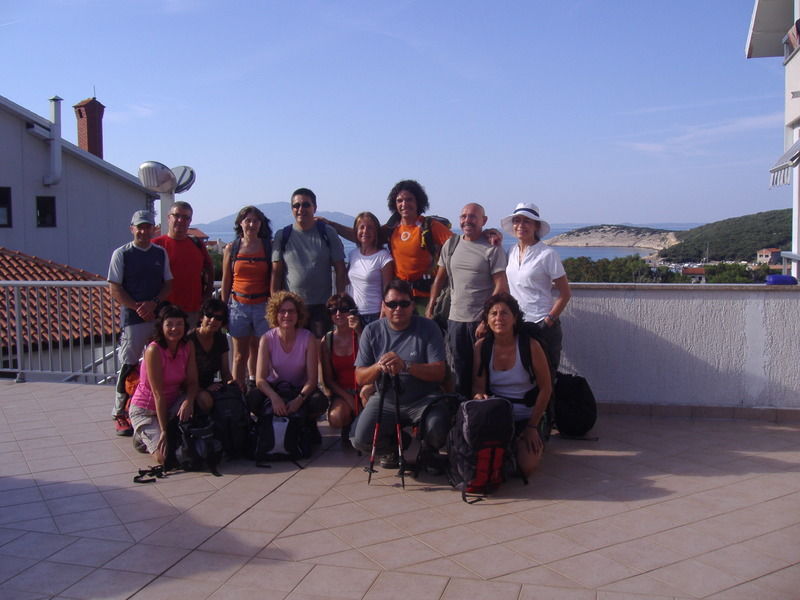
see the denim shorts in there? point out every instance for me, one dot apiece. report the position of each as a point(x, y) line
point(246, 320)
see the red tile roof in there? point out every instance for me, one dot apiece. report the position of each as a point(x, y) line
point(49, 313)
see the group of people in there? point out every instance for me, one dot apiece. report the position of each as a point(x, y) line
point(295, 308)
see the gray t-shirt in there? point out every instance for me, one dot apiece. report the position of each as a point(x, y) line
point(471, 268)
point(308, 259)
point(420, 342)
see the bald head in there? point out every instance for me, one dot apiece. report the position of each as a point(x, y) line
point(472, 219)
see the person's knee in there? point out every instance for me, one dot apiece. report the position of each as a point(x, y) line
point(204, 401)
point(340, 415)
point(436, 426)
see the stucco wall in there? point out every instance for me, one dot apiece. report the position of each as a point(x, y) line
point(93, 207)
point(697, 345)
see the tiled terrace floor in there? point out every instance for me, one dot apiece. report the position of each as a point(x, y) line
point(658, 508)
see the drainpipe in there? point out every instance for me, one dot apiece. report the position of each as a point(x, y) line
point(54, 174)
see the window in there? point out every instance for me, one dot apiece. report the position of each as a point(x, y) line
point(5, 207)
point(45, 211)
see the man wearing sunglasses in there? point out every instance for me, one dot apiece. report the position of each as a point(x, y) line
point(302, 256)
point(408, 346)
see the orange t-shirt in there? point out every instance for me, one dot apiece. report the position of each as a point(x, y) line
point(412, 261)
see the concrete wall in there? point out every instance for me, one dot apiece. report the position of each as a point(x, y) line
point(690, 345)
point(93, 206)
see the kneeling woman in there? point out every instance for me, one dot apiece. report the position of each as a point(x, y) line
point(288, 363)
point(506, 376)
point(167, 384)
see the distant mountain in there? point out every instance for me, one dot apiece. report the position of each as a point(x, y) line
point(278, 213)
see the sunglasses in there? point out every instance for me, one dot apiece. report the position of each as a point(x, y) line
point(397, 303)
point(210, 315)
point(342, 309)
point(299, 205)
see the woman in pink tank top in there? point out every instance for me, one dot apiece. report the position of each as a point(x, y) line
point(167, 384)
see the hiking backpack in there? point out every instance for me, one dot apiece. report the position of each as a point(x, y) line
point(480, 447)
point(281, 438)
point(231, 420)
point(197, 448)
point(575, 406)
point(234, 256)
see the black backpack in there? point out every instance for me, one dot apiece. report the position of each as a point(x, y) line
point(197, 448)
point(575, 406)
point(281, 438)
point(480, 447)
point(231, 420)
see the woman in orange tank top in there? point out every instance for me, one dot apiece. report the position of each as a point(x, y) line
point(246, 271)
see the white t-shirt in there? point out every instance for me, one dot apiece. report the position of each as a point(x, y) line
point(365, 279)
point(531, 283)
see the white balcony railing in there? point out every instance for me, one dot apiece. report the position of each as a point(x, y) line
point(65, 330)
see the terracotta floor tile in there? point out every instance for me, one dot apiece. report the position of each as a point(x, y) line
point(455, 540)
point(695, 578)
point(46, 577)
point(458, 589)
point(493, 561)
point(400, 553)
point(271, 574)
point(168, 588)
point(108, 584)
point(592, 569)
point(36, 545)
point(337, 582)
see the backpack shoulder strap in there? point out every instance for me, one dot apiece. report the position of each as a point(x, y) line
point(329, 341)
point(235, 245)
point(486, 355)
point(425, 235)
point(285, 233)
point(323, 233)
point(451, 246)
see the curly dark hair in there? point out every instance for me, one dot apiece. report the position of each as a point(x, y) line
point(408, 185)
point(508, 300)
point(264, 232)
point(169, 311)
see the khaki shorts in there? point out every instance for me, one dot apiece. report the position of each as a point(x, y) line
point(145, 423)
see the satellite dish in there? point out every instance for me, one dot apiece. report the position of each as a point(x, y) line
point(185, 178)
point(157, 177)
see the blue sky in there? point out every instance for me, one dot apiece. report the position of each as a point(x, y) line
point(599, 112)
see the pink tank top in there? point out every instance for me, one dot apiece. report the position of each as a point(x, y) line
point(173, 374)
point(290, 366)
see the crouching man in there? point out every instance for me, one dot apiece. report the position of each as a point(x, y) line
point(410, 347)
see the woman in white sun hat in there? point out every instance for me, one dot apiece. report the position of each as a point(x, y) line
point(534, 269)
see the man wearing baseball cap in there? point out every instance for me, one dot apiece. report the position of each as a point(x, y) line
point(140, 279)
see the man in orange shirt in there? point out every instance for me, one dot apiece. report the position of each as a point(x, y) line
point(416, 240)
point(192, 269)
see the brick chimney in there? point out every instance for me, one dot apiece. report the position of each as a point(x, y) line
point(89, 113)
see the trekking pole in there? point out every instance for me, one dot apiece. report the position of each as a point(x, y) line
point(399, 430)
point(383, 384)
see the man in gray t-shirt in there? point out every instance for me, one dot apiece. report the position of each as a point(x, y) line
point(302, 257)
point(475, 270)
point(410, 347)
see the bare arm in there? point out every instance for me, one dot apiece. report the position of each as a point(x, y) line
point(500, 283)
point(439, 282)
point(263, 367)
point(225, 368)
point(562, 285)
point(387, 274)
point(276, 284)
point(541, 371)
point(344, 231)
point(341, 276)
point(227, 275)
point(208, 274)
point(191, 386)
point(478, 381)
point(392, 364)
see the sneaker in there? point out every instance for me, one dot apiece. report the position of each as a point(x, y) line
point(122, 425)
point(390, 461)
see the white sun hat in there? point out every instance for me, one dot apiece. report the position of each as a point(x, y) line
point(530, 211)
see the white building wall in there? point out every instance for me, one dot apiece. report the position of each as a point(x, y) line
point(695, 345)
point(93, 206)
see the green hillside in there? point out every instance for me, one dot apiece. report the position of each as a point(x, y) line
point(733, 239)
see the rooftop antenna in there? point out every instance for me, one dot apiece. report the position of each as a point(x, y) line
point(165, 182)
